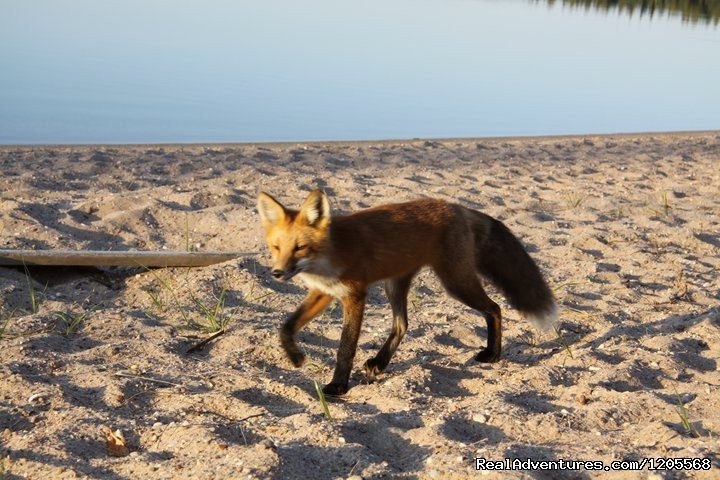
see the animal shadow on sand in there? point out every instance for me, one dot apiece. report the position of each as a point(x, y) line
point(525, 350)
point(471, 432)
point(299, 460)
point(532, 401)
point(446, 381)
point(277, 405)
point(685, 351)
point(373, 437)
point(536, 453)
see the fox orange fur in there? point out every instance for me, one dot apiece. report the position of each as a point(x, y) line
point(341, 256)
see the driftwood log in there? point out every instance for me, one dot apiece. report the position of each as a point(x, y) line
point(118, 258)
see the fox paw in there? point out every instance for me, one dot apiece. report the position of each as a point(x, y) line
point(335, 389)
point(296, 357)
point(371, 368)
point(487, 356)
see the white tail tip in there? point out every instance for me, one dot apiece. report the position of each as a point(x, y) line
point(546, 320)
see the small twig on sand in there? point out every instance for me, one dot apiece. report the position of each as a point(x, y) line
point(251, 416)
point(147, 379)
point(229, 419)
point(353, 467)
point(204, 342)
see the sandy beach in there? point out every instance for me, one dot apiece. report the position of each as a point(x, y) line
point(626, 229)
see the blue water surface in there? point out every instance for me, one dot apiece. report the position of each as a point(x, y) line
point(132, 71)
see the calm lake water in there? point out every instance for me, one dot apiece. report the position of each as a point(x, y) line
point(124, 71)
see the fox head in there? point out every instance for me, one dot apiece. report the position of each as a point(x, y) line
point(296, 237)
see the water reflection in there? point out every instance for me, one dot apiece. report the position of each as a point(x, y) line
point(693, 11)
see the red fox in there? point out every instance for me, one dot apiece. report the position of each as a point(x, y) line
point(341, 256)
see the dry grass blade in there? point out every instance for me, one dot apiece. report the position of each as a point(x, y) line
point(32, 292)
point(574, 199)
point(4, 324)
point(165, 285)
point(561, 340)
point(72, 322)
point(215, 318)
point(683, 414)
point(323, 401)
point(666, 204)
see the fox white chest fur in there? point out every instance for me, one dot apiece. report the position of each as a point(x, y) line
point(322, 275)
point(329, 285)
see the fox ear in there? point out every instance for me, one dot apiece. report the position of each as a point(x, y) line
point(271, 211)
point(316, 209)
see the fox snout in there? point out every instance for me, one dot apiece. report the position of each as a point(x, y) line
point(286, 272)
point(283, 275)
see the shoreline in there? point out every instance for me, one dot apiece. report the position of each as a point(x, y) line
point(390, 141)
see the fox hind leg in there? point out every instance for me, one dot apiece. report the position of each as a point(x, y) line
point(467, 288)
point(397, 290)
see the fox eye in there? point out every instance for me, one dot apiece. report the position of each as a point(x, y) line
point(275, 247)
point(299, 248)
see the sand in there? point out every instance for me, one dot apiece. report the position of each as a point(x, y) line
point(624, 227)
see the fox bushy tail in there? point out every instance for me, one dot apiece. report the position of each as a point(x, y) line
point(502, 259)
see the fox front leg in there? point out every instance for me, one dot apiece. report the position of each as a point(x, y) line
point(311, 307)
point(353, 307)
